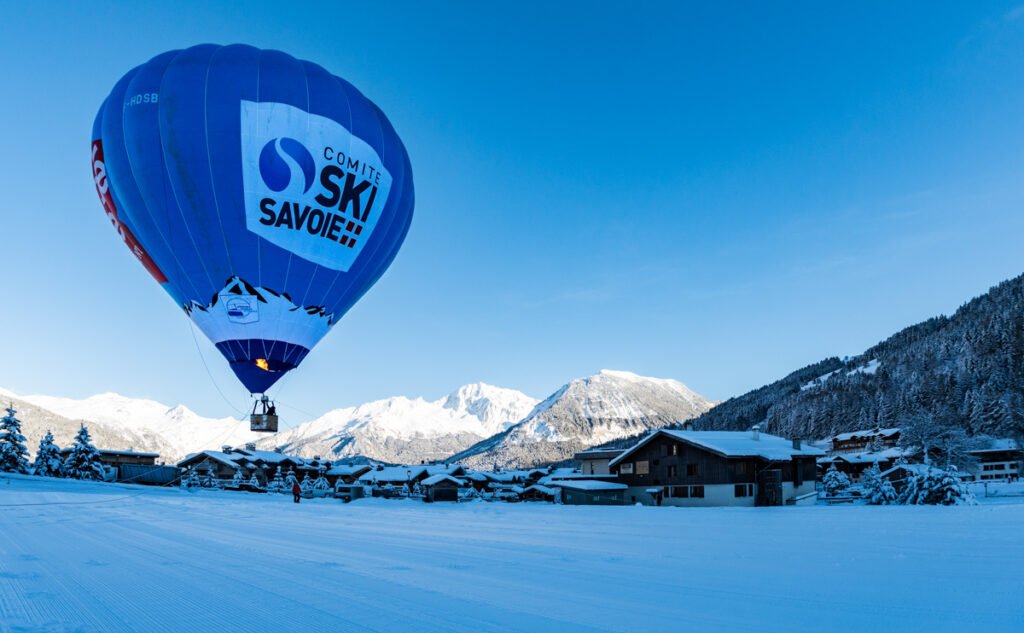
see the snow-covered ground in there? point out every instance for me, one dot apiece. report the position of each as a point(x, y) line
point(80, 556)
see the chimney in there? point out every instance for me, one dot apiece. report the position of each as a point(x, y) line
point(226, 449)
point(278, 449)
point(250, 446)
point(756, 432)
point(688, 425)
point(797, 444)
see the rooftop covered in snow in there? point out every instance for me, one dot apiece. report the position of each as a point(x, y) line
point(733, 444)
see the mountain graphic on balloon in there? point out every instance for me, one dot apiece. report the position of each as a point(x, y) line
point(265, 195)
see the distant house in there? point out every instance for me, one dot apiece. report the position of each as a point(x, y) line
point(537, 492)
point(440, 487)
point(595, 461)
point(222, 464)
point(345, 473)
point(1000, 460)
point(716, 468)
point(133, 467)
point(115, 458)
point(854, 464)
point(591, 492)
point(396, 476)
point(900, 474)
point(860, 441)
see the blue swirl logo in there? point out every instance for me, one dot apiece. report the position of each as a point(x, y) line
point(276, 170)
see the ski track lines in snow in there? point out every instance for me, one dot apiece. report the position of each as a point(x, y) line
point(127, 558)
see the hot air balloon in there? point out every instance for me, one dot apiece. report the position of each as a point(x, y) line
point(263, 193)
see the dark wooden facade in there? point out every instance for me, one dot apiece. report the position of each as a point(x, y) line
point(682, 470)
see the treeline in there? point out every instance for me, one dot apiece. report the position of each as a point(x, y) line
point(963, 371)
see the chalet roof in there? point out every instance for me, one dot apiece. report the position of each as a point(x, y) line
point(547, 490)
point(866, 434)
point(599, 453)
point(393, 473)
point(217, 456)
point(447, 469)
point(268, 457)
point(433, 480)
point(347, 470)
point(870, 457)
point(912, 469)
point(732, 444)
point(589, 484)
point(551, 479)
point(110, 451)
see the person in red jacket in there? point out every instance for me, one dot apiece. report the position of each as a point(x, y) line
point(296, 492)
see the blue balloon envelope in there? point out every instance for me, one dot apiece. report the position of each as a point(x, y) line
point(264, 194)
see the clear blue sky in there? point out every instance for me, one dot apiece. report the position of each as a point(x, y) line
point(719, 193)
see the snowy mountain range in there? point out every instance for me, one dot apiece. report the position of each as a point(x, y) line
point(481, 424)
point(404, 430)
point(584, 413)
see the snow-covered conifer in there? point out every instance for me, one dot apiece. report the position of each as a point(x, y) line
point(290, 480)
point(84, 460)
point(835, 481)
point(307, 483)
point(237, 479)
point(320, 483)
point(277, 483)
point(13, 454)
point(948, 489)
point(877, 490)
point(48, 462)
point(253, 480)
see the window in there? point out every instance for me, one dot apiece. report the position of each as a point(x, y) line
point(626, 469)
point(681, 492)
point(741, 468)
point(673, 471)
point(692, 470)
point(743, 490)
point(697, 492)
point(675, 449)
point(642, 468)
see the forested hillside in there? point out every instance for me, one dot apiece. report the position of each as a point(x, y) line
point(965, 370)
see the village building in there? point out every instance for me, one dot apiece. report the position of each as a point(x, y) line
point(396, 476)
point(345, 473)
point(999, 461)
point(853, 465)
point(221, 465)
point(716, 468)
point(132, 466)
point(868, 439)
point(595, 461)
point(440, 487)
point(591, 492)
point(537, 492)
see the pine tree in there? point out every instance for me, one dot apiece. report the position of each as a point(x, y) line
point(290, 480)
point(253, 481)
point(320, 483)
point(48, 462)
point(277, 483)
point(84, 460)
point(237, 479)
point(835, 481)
point(307, 483)
point(948, 489)
point(877, 490)
point(13, 454)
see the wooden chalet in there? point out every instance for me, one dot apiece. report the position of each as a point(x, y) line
point(860, 441)
point(591, 492)
point(999, 461)
point(440, 487)
point(716, 468)
point(596, 460)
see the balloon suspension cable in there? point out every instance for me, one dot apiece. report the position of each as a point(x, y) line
point(192, 330)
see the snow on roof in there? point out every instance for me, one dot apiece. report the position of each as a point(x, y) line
point(869, 457)
point(393, 473)
point(866, 433)
point(547, 490)
point(476, 475)
point(436, 479)
point(270, 457)
point(223, 458)
point(346, 469)
point(110, 451)
point(733, 444)
point(589, 484)
point(917, 469)
point(599, 453)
